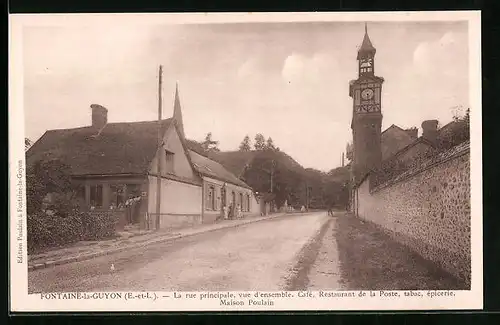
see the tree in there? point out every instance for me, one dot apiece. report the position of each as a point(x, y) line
point(46, 177)
point(209, 144)
point(245, 144)
point(349, 151)
point(270, 144)
point(260, 142)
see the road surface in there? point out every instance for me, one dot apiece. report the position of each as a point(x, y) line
point(256, 256)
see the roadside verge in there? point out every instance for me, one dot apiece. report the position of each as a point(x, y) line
point(297, 277)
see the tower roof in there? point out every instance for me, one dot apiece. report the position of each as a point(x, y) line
point(177, 110)
point(366, 47)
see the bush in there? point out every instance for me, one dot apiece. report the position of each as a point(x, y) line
point(48, 231)
point(45, 230)
point(98, 225)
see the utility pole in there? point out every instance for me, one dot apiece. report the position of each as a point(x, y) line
point(272, 174)
point(307, 197)
point(342, 159)
point(158, 160)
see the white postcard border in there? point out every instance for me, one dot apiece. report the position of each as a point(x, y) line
point(21, 301)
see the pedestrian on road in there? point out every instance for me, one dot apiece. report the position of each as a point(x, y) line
point(238, 212)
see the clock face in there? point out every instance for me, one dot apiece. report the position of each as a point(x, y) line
point(367, 94)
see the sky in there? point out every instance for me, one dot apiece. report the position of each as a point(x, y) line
point(288, 81)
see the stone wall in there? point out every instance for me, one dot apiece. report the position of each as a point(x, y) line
point(427, 209)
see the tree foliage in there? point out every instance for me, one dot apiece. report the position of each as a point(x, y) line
point(209, 144)
point(290, 182)
point(349, 151)
point(52, 177)
point(260, 142)
point(61, 220)
point(457, 131)
point(245, 144)
point(270, 144)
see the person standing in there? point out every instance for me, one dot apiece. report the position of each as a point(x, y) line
point(230, 211)
point(238, 212)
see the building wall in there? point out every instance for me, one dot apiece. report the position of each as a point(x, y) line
point(210, 214)
point(366, 143)
point(181, 166)
point(393, 140)
point(180, 203)
point(428, 210)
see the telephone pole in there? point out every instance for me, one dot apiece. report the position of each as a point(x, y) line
point(158, 160)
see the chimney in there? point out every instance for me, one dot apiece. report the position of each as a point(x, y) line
point(99, 116)
point(412, 132)
point(429, 130)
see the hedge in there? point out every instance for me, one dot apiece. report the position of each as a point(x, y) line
point(47, 231)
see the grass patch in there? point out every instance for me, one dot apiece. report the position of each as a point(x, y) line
point(371, 260)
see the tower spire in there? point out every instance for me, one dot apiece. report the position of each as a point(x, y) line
point(366, 48)
point(177, 110)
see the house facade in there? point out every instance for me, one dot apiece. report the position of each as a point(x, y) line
point(144, 172)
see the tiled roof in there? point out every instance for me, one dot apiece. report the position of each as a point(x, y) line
point(211, 168)
point(119, 148)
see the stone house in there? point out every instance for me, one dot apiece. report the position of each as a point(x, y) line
point(116, 167)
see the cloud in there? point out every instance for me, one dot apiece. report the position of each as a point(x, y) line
point(293, 68)
point(439, 58)
point(299, 69)
point(248, 69)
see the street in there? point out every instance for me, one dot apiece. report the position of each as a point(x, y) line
point(257, 256)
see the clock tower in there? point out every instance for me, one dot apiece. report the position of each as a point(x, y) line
point(366, 122)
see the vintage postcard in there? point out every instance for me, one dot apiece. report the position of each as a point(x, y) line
point(245, 162)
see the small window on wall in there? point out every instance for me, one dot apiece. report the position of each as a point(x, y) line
point(211, 198)
point(241, 201)
point(96, 196)
point(169, 158)
point(248, 202)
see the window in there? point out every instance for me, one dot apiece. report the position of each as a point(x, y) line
point(211, 198)
point(117, 199)
point(248, 202)
point(169, 158)
point(96, 196)
point(241, 201)
point(133, 190)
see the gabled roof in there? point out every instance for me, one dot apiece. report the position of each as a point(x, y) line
point(210, 168)
point(119, 148)
point(393, 126)
point(394, 139)
point(411, 145)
